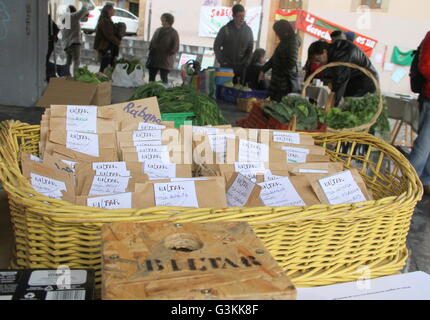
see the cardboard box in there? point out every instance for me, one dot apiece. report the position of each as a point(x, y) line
point(66, 91)
point(61, 284)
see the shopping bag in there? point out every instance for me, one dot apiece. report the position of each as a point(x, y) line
point(137, 76)
point(120, 77)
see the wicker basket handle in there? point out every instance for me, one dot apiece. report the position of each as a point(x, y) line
point(364, 127)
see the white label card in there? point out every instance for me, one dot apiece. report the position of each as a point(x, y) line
point(87, 143)
point(117, 201)
point(81, 119)
point(286, 137)
point(205, 130)
point(268, 176)
point(147, 143)
point(151, 149)
point(176, 194)
point(296, 157)
point(35, 158)
point(120, 167)
point(250, 151)
point(153, 157)
point(257, 167)
point(295, 149)
point(108, 185)
point(188, 179)
point(313, 171)
point(240, 191)
point(280, 193)
point(147, 135)
point(143, 126)
point(341, 188)
point(71, 164)
point(49, 187)
point(158, 170)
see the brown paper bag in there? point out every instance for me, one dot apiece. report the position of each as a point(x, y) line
point(105, 155)
point(103, 126)
point(238, 194)
point(313, 168)
point(343, 190)
point(210, 193)
point(46, 178)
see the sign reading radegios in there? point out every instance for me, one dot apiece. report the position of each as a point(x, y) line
point(321, 28)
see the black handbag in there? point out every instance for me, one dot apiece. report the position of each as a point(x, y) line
point(150, 59)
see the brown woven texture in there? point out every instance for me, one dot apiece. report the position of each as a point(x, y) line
point(316, 245)
point(365, 127)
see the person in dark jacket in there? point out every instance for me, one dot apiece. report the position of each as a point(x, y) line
point(252, 79)
point(163, 48)
point(234, 44)
point(285, 72)
point(105, 40)
point(420, 155)
point(346, 82)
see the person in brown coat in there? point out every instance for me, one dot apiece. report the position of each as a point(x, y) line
point(163, 48)
point(106, 41)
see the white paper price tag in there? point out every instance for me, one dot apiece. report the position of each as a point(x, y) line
point(35, 158)
point(158, 170)
point(153, 157)
point(268, 176)
point(120, 167)
point(341, 188)
point(280, 193)
point(147, 135)
point(286, 137)
point(143, 126)
point(205, 130)
point(147, 143)
point(250, 151)
point(108, 185)
point(240, 191)
point(87, 143)
point(49, 187)
point(257, 167)
point(151, 149)
point(177, 194)
point(117, 201)
point(81, 119)
point(296, 157)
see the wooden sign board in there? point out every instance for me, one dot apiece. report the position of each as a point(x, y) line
point(196, 261)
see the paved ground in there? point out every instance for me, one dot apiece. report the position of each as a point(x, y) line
point(418, 239)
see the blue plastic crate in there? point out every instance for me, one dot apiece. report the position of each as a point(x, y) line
point(230, 95)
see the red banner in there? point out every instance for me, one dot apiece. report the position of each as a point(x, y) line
point(322, 29)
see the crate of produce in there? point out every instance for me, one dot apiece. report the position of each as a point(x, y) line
point(179, 118)
point(316, 245)
point(223, 75)
point(231, 94)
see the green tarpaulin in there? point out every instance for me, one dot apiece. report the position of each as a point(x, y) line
point(402, 58)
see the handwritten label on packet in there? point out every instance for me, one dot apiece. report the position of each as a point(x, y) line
point(153, 157)
point(144, 149)
point(177, 194)
point(157, 170)
point(205, 130)
point(87, 143)
point(313, 171)
point(250, 151)
point(188, 179)
point(81, 119)
point(47, 186)
point(150, 126)
point(296, 155)
point(100, 167)
point(108, 185)
point(280, 193)
point(240, 191)
point(71, 164)
point(268, 176)
point(257, 167)
point(35, 158)
point(286, 137)
point(341, 188)
point(147, 135)
point(147, 143)
point(117, 201)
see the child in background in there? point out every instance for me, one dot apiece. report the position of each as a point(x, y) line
point(252, 79)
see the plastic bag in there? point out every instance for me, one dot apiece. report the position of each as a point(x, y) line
point(120, 77)
point(137, 76)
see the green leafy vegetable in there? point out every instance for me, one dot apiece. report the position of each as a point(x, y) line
point(85, 75)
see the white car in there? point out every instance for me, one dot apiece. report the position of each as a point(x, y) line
point(121, 15)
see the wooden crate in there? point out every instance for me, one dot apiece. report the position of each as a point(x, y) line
point(204, 261)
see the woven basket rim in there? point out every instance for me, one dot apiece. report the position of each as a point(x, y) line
point(411, 196)
point(364, 127)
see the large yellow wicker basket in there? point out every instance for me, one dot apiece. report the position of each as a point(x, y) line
point(317, 245)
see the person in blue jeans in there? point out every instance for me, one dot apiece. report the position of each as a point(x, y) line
point(420, 155)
